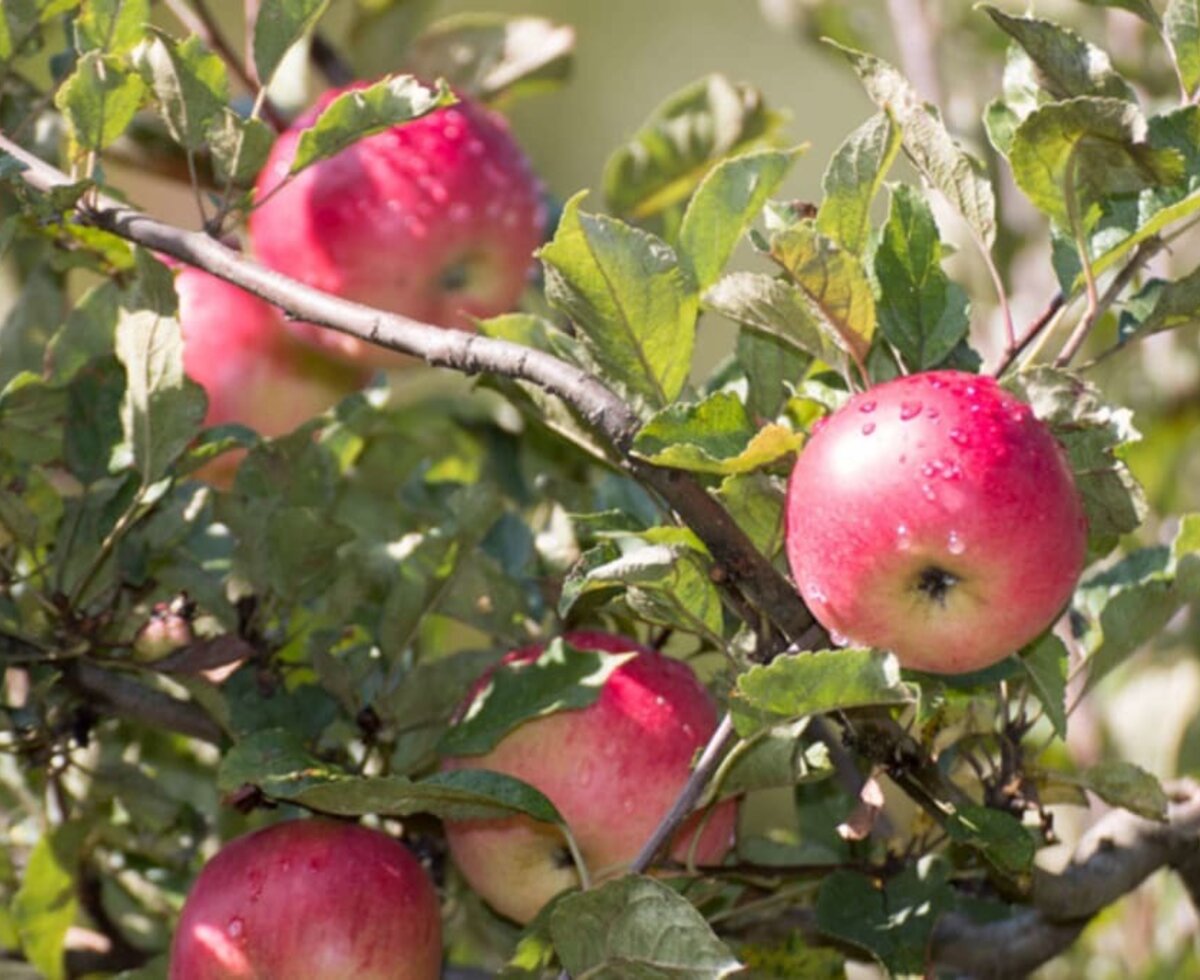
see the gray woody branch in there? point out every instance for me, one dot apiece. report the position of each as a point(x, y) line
point(740, 564)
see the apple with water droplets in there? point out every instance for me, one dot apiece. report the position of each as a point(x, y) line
point(613, 770)
point(937, 517)
point(436, 219)
point(317, 899)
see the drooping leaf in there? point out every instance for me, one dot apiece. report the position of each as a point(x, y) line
point(1092, 432)
point(774, 306)
point(928, 144)
point(1067, 65)
point(771, 367)
point(99, 100)
point(94, 427)
point(163, 408)
point(853, 178)
point(814, 683)
point(1045, 661)
point(725, 204)
point(755, 502)
point(1181, 24)
point(1000, 838)
point(111, 26)
point(561, 678)
point(713, 436)
point(635, 928)
point(239, 147)
point(1161, 305)
point(1068, 156)
point(45, 905)
point(190, 84)
point(494, 57)
point(279, 25)
point(779, 757)
point(630, 299)
point(834, 282)
point(893, 922)
point(1120, 783)
point(361, 112)
point(682, 140)
point(922, 313)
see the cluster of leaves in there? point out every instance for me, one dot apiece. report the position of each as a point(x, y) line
point(361, 572)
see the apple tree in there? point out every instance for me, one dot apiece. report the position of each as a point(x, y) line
point(377, 494)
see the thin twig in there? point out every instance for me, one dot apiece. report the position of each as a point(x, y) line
point(740, 564)
point(1040, 322)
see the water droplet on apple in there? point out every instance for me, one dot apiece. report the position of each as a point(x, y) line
point(952, 472)
point(975, 409)
point(838, 639)
point(971, 391)
point(959, 437)
point(235, 928)
point(813, 593)
point(459, 212)
point(867, 407)
point(660, 700)
point(936, 383)
point(927, 490)
point(688, 730)
point(955, 544)
point(818, 425)
point(475, 147)
point(932, 413)
point(627, 805)
point(909, 410)
point(928, 469)
point(868, 428)
point(1019, 414)
point(903, 537)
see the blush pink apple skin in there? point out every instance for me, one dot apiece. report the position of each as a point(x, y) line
point(436, 219)
point(236, 347)
point(316, 899)
point(612, 769)
point(928, 476)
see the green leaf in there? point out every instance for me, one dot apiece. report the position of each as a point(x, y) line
point(682, 140)
point(1045, 661)
point(713, 436)
point(162, 409)
point(631, 301)
point(562, 678)
point(724, 206)
point(1000, 838)
point(239, 147)
point(852, 180)
point(921, 312)
point(771, 367)
point(279, 25)
point(1161, 305)
point(18, 21)
point(94, 428)
point(666, 583)
point(1090, 149)
point(276, 761)
point(494, 57)
point(1092, 432)
point(361, 112)
point(776, 307)
point(894, 922)
point(636, 928)
point(755, 502)
point(303, 544)
point(835, 283)
point(1067, 65)
point(458, 794)
point(111, 26)
point(929, 146)
point(45, 905)
point(1142, 8)
point(779, 757)
point(805, 684)
point(190, 84)
point(1128, 786)
point(99, 100)
point(1181, 25)
point(31, 415)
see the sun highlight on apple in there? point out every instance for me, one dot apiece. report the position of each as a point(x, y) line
point(312, 899)
point(613, 770)
point(937, 517)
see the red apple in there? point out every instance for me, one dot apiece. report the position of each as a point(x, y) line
point(436, 219)
point(236, 347)
point(310, 898)
point(612, 769)
point(936, 517)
